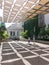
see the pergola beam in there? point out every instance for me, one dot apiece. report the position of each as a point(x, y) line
point(3, 10)
point(20, 10)
point(39, 9)
point(11, 10)
point(23, 6)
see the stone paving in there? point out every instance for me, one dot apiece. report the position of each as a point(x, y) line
point(24, 54)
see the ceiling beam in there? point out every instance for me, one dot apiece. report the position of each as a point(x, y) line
point(20, 10)
point(11, 10)
point(23, 6)
point(39, 8)
point(3, 10)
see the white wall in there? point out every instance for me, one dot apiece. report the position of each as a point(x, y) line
point(47, 19)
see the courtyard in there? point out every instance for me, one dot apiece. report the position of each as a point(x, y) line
point(24, 32)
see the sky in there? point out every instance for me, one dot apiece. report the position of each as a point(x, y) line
point(8, 24)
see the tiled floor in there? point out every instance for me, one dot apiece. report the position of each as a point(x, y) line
point(37, 61)
point(19, 62)
point(8, 57)
point(22, 54)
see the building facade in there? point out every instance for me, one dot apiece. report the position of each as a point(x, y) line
point(15, 30)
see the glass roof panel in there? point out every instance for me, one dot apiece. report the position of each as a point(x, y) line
point(47, 5)
point(37, 7)
point(33, 0)
point(20, 2)
point(32, 11)
point(43, 8)
point(23, 9)
point(43, 2)
point(38, 12)
point(29, 5)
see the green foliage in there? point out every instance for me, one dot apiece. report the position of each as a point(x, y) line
point(47, 30)
point(3, 32)
point(42, 31)
point(23, 33)
point(48, 25)
point(29, 26)
point(5, 35)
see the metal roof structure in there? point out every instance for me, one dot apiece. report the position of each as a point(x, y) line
point(21, 10)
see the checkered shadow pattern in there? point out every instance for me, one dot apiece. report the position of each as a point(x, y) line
point(24, 54)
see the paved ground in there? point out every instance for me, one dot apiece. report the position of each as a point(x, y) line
point(18, 53)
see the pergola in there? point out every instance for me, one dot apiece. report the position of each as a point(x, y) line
point(21, 10)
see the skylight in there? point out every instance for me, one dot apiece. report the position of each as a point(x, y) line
point(14, 10)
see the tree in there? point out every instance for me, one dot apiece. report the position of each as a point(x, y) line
point(42, 32)
point(24, 33)
point(3, 32)
point(47, 30)
point(29, 26)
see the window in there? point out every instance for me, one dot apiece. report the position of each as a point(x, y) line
point(11, 33)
